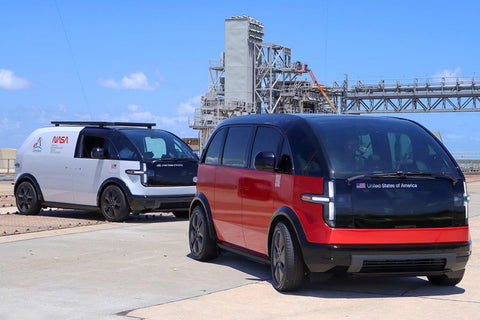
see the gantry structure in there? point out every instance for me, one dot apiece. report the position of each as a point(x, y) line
point(417, 95)
point(253, 76)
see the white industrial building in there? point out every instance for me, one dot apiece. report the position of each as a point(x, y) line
point(255, 77)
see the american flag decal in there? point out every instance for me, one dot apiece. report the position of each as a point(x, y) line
point(361, 185)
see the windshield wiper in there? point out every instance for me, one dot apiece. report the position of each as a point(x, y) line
point(372, 176)
point(403, 175)
point(434, 175)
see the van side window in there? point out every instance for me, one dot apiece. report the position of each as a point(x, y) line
point(212, 155)
point(91, 142)
point(125, 149)
point(307, 155)
point(285, 164)
point(267, 139)
point(110, 151)
point(235, 153)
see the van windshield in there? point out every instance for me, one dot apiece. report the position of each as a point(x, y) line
point(158, 144)
point(366, 146)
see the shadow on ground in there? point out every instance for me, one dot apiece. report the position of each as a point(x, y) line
point(342, 286)
point(97, 216)
point(52, 219)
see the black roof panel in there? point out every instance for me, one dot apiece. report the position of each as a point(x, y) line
point(286, 120)
point(104, 124)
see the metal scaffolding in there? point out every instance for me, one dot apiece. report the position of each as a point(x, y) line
point(279, 87)
point(257, 77)
point(419, 95)
point(270, 81)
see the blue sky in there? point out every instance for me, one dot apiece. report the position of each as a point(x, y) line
point(148, 60)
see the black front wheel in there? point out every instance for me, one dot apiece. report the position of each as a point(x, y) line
point(113, 204)
point(286, 262)
point(202, 245)
point(26, 198)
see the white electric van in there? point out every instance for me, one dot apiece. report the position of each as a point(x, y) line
point(113, 167)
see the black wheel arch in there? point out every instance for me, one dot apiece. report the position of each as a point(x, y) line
point(30, 178)
point(288, 216)
point(114, 181)
point(201, 199)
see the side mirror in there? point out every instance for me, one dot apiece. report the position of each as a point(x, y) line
point(265, 161)
point(97, 153)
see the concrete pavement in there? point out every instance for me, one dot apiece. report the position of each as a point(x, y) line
point(141, 269)
point(108, 269)
point(337, 298)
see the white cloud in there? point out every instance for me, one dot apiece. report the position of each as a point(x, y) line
point(62, 108)
point(188, 107)
point(9, 81)
point(462, 138)
point(176, 123)
point(173, 120)
point(133, 107)
point(137, 114)
point(7, 124)
point(447, 73)
point(134, 81)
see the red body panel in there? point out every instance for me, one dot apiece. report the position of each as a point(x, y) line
point(243, 202)
point(394, 236)
point(257, 193)
point(227, 205)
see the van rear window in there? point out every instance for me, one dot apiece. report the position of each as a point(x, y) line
point(359, 146)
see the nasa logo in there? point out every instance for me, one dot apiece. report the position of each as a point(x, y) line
point(60, 139)
point(37, 146)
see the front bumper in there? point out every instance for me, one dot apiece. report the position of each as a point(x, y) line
point(408, 260)
point(139, 204)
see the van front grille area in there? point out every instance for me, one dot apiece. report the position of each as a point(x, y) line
point(399, 266)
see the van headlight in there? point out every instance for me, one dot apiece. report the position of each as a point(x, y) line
point(327, 200)
point(466, 198)
point(142, 173)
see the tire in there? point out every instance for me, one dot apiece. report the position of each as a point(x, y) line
point(26, 197)
point(180, 214)
point(203, 247)
point(449, 279)
point(113, 204)
point(285, 261)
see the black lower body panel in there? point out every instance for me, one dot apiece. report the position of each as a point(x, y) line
point(414, 260)
point(139, 204)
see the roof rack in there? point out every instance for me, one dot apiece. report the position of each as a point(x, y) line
point(104, 124)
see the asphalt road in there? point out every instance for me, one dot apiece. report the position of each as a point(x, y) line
point(141, 269)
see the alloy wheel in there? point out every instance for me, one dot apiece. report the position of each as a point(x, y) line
point(197, 233)
point(278, 256)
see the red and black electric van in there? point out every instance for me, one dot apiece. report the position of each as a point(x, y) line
point(360, 195)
